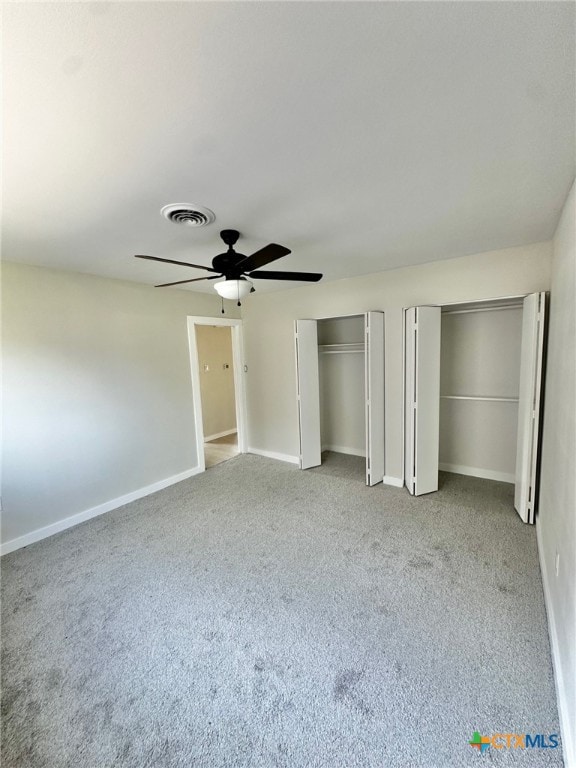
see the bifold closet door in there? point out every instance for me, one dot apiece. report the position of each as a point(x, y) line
point(308, 386)
point(422, 399)
point(374, 379)
point(531, 363)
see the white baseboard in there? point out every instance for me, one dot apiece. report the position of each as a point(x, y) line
point(226, 432)
point(487, 474)
point(567, 725)
point(275, 455)
point(397, 482)
point(344, 449)
point(87, 514)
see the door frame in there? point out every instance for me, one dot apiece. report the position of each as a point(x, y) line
point(239, 385)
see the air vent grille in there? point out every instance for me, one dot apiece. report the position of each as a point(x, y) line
point(188, 214)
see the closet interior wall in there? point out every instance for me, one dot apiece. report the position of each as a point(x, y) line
point(479, 389)
point(341, 362)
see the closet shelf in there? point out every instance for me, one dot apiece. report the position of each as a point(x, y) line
point(338, 349)
point(478, 397)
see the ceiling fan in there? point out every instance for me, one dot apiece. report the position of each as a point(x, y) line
point(238, 270)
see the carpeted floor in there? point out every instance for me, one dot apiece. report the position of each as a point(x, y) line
point(260, 616)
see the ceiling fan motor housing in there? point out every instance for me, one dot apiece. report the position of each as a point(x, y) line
point(227, 262)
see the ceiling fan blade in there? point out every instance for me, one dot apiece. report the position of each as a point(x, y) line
point(194, 280)
point(263, 256)
point(309, 277)
point(171, 261)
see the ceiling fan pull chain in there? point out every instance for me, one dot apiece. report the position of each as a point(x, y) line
point(222, 299)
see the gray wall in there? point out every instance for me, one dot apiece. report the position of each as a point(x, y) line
point(556, 520)
point(269, 331)
point(97, 398)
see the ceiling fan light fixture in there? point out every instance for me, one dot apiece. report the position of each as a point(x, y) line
point(233, 289)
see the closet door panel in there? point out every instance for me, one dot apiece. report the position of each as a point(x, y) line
point(409, 396)
point(374, 361)
point(308, 391)
point(422, 428)
point(531, 363)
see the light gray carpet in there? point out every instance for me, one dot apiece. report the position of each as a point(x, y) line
point(261, 616)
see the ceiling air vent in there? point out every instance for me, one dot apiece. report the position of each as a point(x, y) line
point(188, 214)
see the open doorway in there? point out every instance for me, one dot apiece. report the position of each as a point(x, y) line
point(217, 366)
point(215, 360)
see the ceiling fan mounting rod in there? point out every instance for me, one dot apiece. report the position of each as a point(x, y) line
point(230, 237)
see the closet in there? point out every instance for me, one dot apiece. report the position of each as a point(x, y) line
point(340, 389)
point(479, 390)
point(473, 374)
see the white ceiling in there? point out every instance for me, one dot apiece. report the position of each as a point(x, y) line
point(363, 136)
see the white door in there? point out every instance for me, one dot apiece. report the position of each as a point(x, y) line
point(531, 361)
point(422, 399)
point(374, 360)
point(308, 390)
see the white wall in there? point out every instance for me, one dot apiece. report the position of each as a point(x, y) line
point(214, 344)
point(97, 397)
point(269, 344)
point(556, 521)
point(480, 355)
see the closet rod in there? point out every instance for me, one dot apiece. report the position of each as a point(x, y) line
point(478, 397)
point(340, 351)
point(480, 309)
